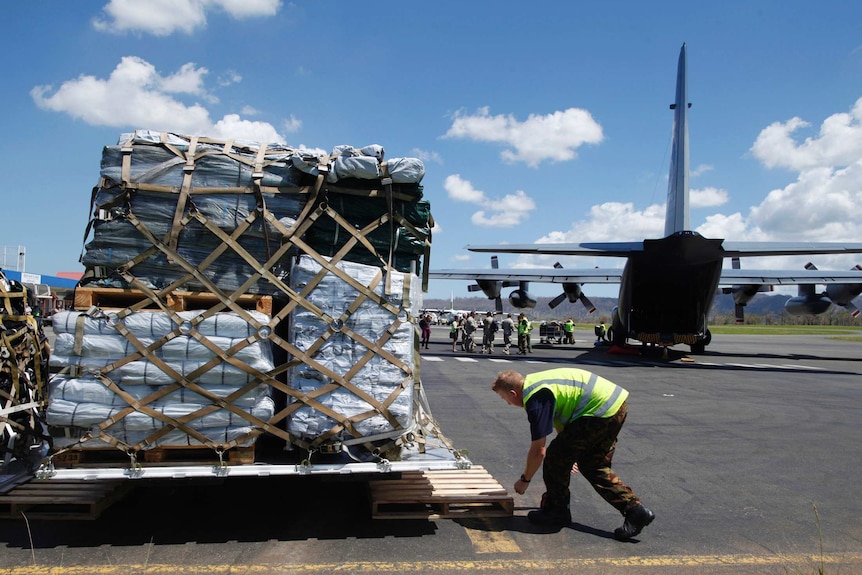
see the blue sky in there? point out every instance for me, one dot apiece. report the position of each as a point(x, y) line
point(545, 121)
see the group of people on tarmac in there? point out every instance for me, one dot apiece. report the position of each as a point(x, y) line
point(462, 332)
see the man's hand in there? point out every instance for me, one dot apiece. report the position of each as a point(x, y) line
point(521, 486)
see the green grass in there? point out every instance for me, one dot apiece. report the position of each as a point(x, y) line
point(833, 330)
point(848, 333)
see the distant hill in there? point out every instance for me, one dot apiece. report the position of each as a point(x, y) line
point(762, 308)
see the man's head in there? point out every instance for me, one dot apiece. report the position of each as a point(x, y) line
point(509, 385)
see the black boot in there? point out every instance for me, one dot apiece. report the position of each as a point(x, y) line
point(637, 518)
point(556, 517)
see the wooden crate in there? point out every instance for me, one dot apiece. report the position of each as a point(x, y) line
point(443, 494)
point(62, 499)
point(120, 298)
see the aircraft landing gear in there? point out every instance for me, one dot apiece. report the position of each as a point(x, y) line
point(700, 346)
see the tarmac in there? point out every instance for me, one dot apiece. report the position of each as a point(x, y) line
point(748, 455)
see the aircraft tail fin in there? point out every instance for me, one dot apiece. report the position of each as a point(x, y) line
point(677, 217)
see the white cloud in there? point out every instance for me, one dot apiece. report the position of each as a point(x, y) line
point(136, 96)
point(553, 137)
point(608, 222)
point(823, 204)
point(825, 201)
point(707, 197)
point(733, 227)
point(165, 17)
point(248, 8)
point(426, 156)
point(292, 125)
point(614, 221)
point(188, 80)
point(462, 190)
point(508, 211)
point(839, 142)
point(229, 77)
point(232, 126)
point(700, 170)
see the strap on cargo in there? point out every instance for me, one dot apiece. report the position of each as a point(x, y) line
point(387, 186)
point(188, 172)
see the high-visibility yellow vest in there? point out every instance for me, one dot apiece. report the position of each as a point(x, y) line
point(578, 393)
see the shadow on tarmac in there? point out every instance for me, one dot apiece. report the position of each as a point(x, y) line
point(244, 509)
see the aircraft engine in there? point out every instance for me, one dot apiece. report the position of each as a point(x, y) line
point(844, 294)
point(807, 304)
point(742, 294)
point(489, 287)
point(521, 298)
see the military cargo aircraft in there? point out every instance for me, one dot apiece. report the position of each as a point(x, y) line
point(668, 284)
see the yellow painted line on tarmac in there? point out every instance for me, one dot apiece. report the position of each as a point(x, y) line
point(792, 562)
point(486, 541)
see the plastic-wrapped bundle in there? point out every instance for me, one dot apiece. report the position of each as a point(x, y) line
point(145, 372)
point(156, 164)
point(63, 413)
point(116, 242)
point(181, 347)
point(377, 401)
point(233, 185)
point(155, 325)
point(86, 346)
point(328, 237)
point(88, 389)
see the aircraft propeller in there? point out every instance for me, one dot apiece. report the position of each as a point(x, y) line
point(572, 292)
point(490, 288)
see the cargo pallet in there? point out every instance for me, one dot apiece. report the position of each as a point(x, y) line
point(62, 499)
point(120, 298)
point(441, 494)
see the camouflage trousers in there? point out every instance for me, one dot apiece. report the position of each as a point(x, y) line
point(590, 442)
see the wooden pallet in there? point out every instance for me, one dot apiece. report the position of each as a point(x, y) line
point(119, 298)
point(158, 455)
point(62, 499)
point(444, 494)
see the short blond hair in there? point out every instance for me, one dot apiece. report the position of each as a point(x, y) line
point(508, 380)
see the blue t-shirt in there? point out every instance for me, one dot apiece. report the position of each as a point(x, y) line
point(540, 413)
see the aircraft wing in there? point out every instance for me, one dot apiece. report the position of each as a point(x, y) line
point(546, 275)
point(596, 249)
point(624, 249)
point(614, 275)
point(788, 277)
point(749, 249)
